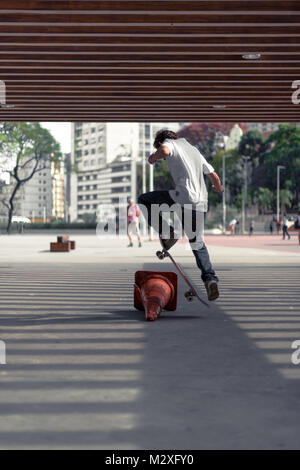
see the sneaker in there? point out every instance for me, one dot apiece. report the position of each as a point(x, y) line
point(212, 290)
point(167, 243)
point(140, 245)
point(130, 244)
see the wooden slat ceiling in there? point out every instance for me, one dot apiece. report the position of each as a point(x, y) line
point(166, 60)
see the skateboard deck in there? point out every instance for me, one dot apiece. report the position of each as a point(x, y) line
point(192, 292)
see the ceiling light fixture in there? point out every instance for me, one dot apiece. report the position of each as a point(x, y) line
point(252, 56)
point(6, 106)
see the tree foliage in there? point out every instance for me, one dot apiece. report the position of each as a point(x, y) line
point(27, 149)
point(203, 135)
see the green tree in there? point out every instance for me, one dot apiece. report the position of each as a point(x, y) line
point(285, 150)
point(264, 198)
point(89, 218)
point(203, 135)
point(233, 172)
point(29, 149)
point(286, 198)
point(254, 146)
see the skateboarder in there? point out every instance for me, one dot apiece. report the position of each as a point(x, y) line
point(187, 166)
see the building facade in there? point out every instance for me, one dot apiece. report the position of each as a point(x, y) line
point(34, 199)
point(58, 196)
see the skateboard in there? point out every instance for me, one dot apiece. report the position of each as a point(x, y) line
point(192, 292)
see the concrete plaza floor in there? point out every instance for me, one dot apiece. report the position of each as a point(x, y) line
point(84, 369)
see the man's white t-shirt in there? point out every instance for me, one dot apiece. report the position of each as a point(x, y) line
point(187, 166)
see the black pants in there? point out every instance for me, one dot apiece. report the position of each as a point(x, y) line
point(285, 232)
point(201, 254)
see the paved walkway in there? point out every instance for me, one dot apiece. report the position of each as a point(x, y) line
point(84, 370)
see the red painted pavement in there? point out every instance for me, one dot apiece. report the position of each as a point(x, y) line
point(267, 242)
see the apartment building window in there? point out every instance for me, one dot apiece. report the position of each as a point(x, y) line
point(147, 131)
point(121, 168)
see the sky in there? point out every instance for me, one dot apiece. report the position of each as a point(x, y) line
point(61, 131)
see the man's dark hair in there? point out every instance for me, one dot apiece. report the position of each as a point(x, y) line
point(162, 135)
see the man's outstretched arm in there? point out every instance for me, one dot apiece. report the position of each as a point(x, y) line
point(161, 153)
point(216, 184)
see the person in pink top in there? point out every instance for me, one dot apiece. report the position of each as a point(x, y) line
point(133, 213)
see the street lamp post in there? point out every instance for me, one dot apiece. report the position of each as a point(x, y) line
point(151, 182)
point(223, 194)
point(245, 192)
point(279, 167)
point(223, 145)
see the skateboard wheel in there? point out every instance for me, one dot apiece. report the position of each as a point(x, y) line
point(189, 296)
point(160, 255)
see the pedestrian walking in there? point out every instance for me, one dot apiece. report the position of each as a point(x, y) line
point(232, 226)
point(251, 228)
point(285, 227)
point(278, 226)
point(133, 213)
